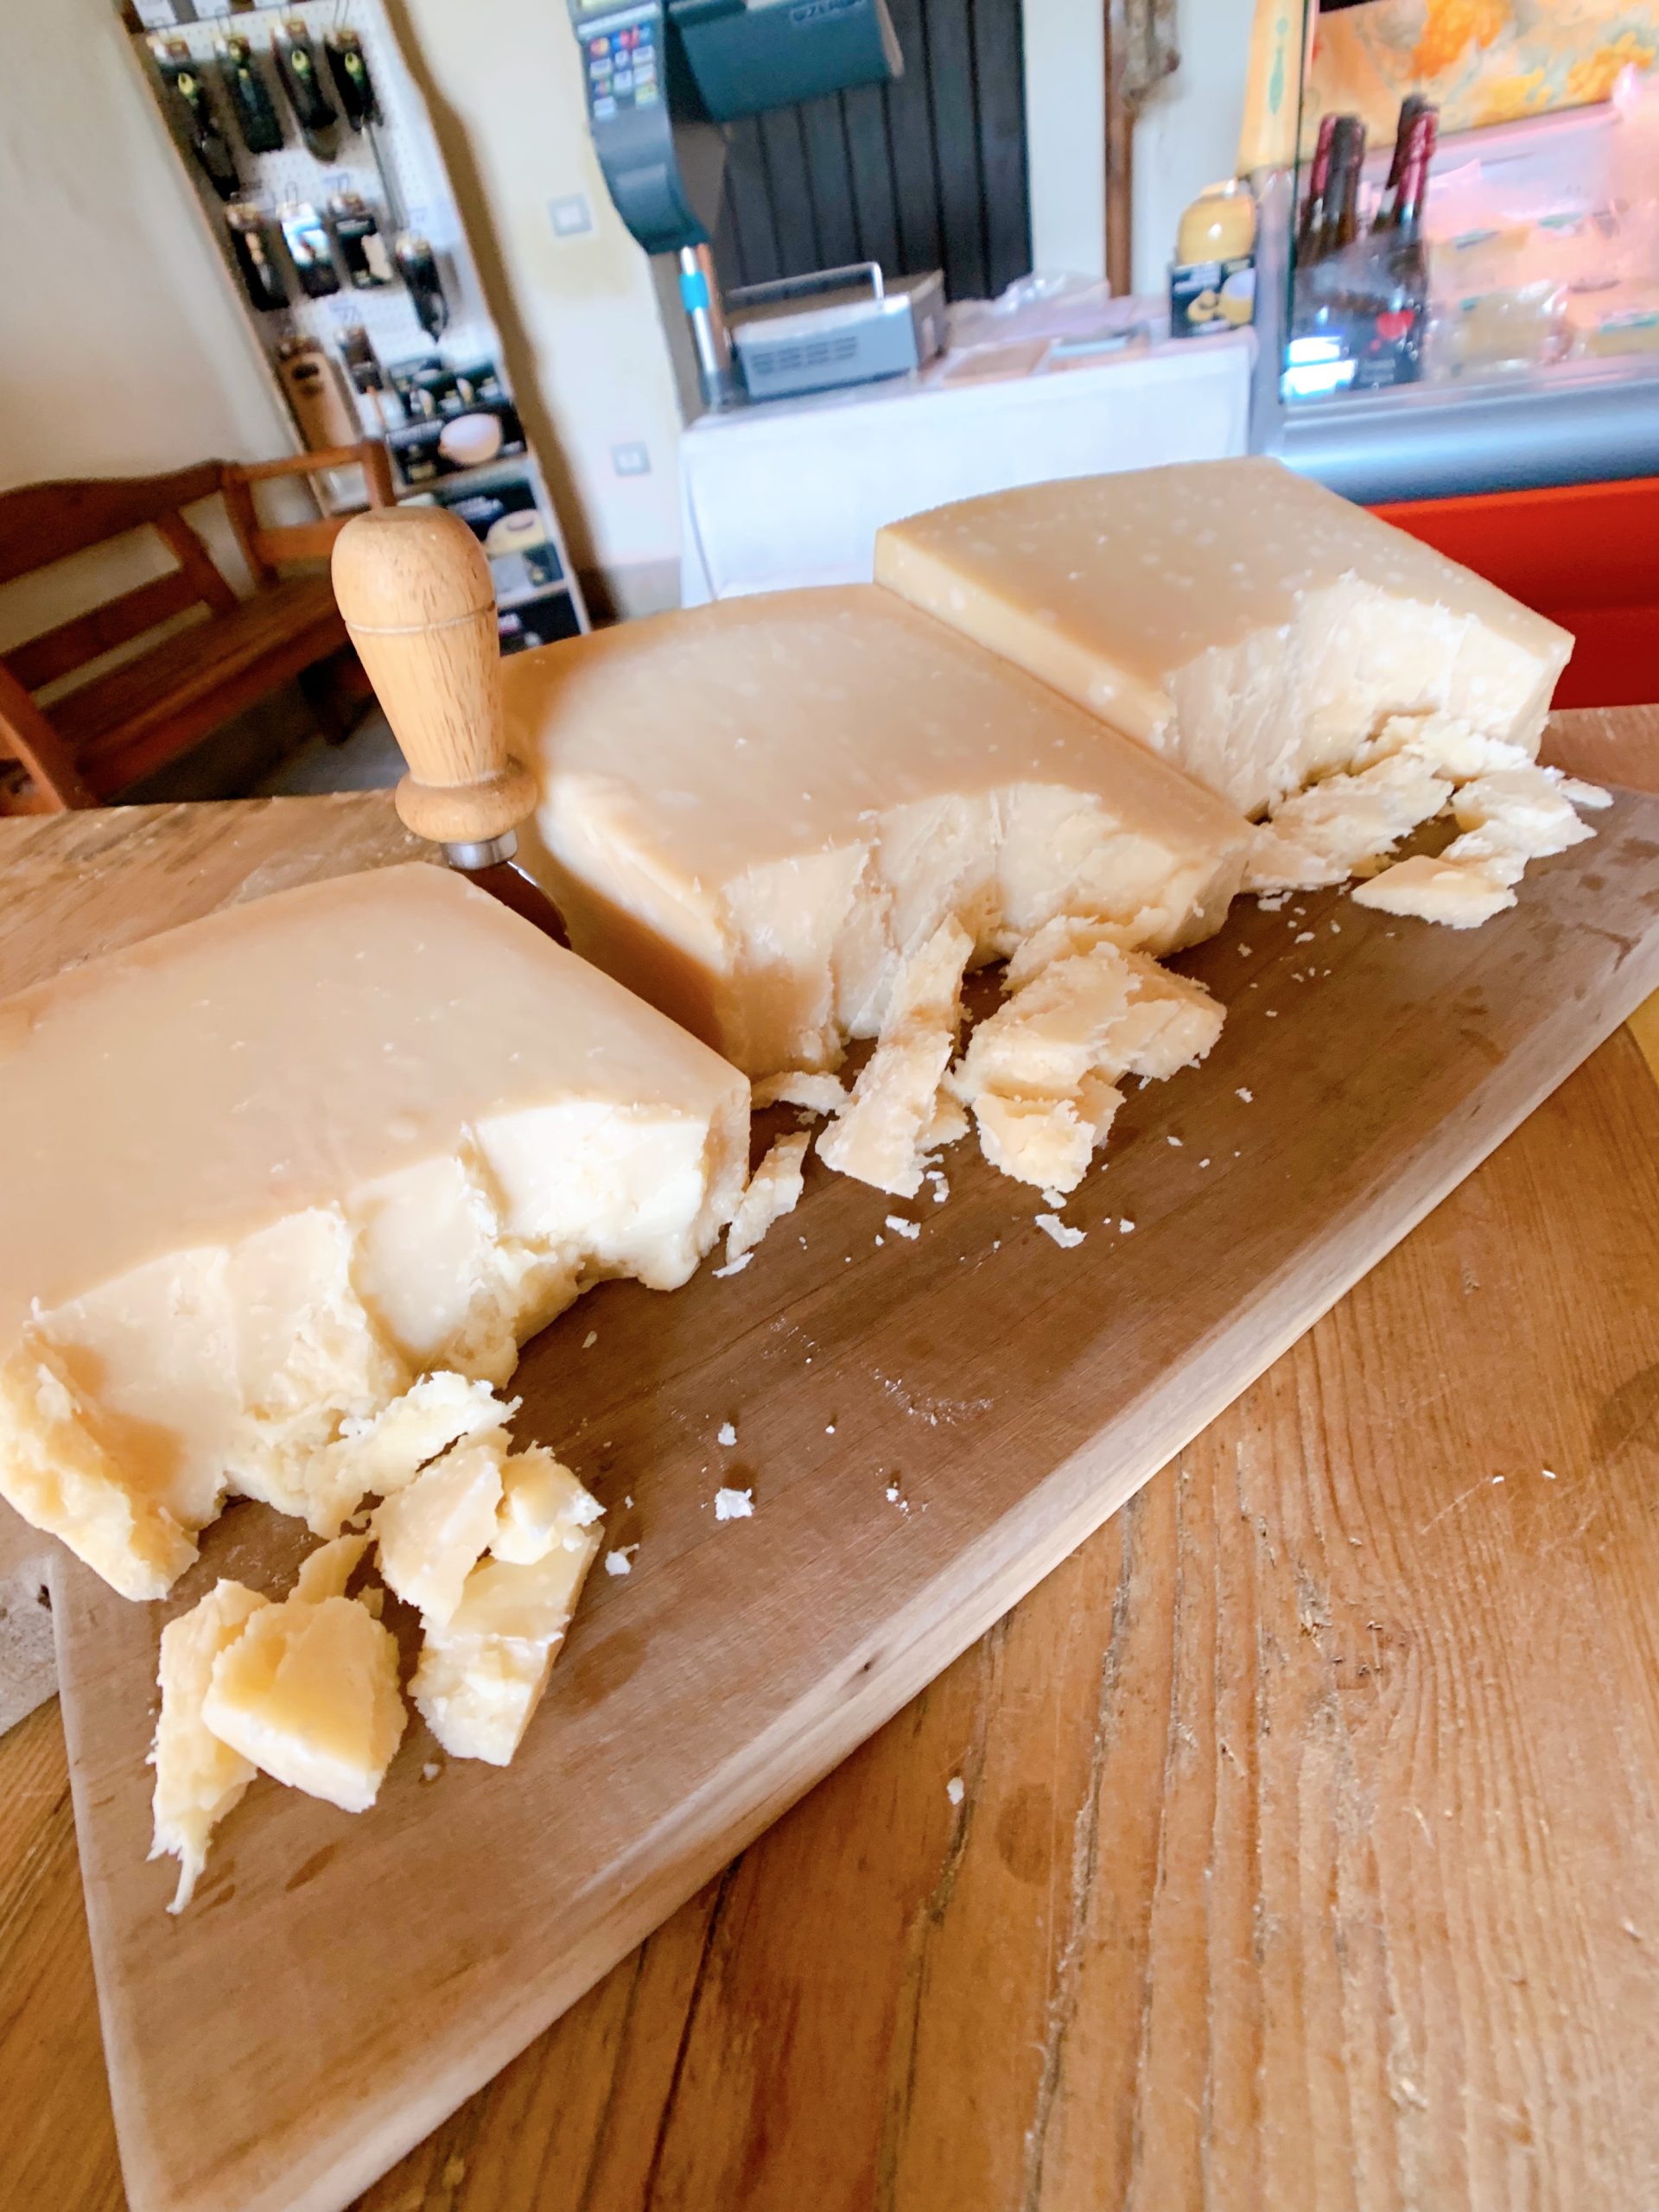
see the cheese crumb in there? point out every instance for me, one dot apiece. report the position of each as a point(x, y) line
point(954, 1790)
point(1062, 1231)
point(726, 1434)
point(773, 1190)
point(897, 1223)
point(733, 1504)
point(817, 1093)
point(621, 1561)
point(734, 1267)
point(888, 1125)
point(198, 1778)
point(1126, 1227)
point(590, 1340)
point(1247, 1095)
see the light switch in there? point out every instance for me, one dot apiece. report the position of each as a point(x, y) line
point(571, 216)
point(632, 460)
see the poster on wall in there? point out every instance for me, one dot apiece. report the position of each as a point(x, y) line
point(1481, 61)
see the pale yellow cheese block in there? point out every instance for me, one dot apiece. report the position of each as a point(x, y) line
point(265, 1171)
point(1238, 618)
point(754, 812)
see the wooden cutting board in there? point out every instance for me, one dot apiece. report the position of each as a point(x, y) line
point(341, 1984)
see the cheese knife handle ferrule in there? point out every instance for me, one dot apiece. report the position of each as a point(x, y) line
point(414, 588)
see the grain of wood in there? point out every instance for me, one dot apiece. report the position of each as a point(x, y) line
point(1306, 1851)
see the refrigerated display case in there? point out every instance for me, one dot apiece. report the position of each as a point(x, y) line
point(1537, 360)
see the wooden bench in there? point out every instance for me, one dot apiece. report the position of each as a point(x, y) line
point(125, 722)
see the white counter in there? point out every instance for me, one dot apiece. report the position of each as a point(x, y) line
point(794, 492)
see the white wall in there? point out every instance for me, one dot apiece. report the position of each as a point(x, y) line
point(123, 350)
point(1065, 125)
point(583, 339)
point(1187, 133)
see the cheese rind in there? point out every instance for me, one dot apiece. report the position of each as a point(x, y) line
point(337, 1138)
point(1238, 618)
point(836, 778)
point(199, 1778)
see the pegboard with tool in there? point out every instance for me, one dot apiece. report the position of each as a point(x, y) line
point(315, 164)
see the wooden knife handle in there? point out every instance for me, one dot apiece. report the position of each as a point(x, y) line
point(414, 588)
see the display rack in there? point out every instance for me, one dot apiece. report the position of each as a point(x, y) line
point(358, 360)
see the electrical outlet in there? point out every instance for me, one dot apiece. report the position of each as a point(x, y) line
point(571, 216)
point(633, 460)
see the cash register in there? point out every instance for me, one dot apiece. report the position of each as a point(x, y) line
point(662, 76)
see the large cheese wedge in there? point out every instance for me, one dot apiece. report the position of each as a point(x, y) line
point(753, 813)
point(265, 1171)
point(1241, 620)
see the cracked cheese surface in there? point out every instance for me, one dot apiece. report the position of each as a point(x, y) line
point(755, 812)
point(269, 1168)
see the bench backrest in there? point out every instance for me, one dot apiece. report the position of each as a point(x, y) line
point(40, 524)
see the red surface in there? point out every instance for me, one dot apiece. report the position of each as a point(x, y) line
point(1586, 554)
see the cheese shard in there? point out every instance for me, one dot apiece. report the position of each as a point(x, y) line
point(1430, 890)
point(266, 1171)
point(1040, 1073)
point(1508, 816)
point(543, 1509)
point(431, 1535)
point(887, 1127)
point(1243, 622)
point(755, 812)
point(309, 1691)
point(774, 1190)
point(481, 1673)
point(385, 1453)
point(1344, 825)
point(817, 1094)
point(198, 1779)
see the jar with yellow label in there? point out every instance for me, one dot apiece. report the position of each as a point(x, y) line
point(1212, 278)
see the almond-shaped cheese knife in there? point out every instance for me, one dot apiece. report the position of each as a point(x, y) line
point(414, 588)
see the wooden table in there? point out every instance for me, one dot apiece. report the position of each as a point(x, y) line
point(1307, 1849)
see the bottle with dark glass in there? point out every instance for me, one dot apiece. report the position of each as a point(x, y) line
point(1414, 111)
point(1400, 261)
point(1313, 216)
point(1340, 223)
point(1410, 108)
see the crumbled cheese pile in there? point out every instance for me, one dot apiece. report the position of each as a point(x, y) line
point(1039, 1077)
point(490, 1546)
point(1041, 1074)
point(1508, 809)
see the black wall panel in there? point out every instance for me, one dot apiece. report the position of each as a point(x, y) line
point(928, 172)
